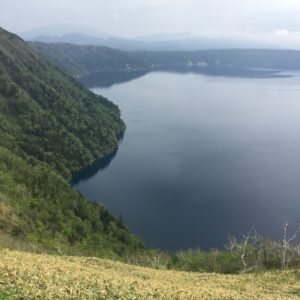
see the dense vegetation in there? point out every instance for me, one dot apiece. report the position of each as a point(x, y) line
point(82, 60)
point(48, 116)
point(50, 127)
point(38, 205)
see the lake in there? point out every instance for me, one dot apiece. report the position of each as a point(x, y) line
point(202, 157)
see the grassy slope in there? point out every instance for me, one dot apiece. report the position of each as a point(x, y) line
point(27, 276)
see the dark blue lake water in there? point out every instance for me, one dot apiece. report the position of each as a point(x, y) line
point(202, 157)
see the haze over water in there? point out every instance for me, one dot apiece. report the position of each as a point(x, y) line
point(202, 157)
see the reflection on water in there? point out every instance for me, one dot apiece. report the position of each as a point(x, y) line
point(108, 79)
point(203, 157)
point(90, 171)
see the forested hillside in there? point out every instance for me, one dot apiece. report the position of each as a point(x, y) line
point(82, 60)
point(50, 127)
point(49, 116)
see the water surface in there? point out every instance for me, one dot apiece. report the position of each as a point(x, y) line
point(202, 157)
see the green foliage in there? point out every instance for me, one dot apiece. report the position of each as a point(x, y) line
point(47, 115)
point(81, 60)
point(5, 296)
point(42, 208)
point(50, 127)
point(207, 261)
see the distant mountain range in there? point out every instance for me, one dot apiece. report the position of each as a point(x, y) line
point(82, 35)
point(137, 44)
point(163, 37)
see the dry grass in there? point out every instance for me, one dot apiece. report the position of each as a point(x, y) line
point(26, 276)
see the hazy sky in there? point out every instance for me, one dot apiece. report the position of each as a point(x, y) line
point(252, 19)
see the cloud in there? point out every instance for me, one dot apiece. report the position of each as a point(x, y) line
point(281, 32)
point(115, 15)
point(248, 19)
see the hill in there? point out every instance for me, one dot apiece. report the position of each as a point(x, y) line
point(95, 60)
point(50, 116)
point(51, 127)
point(32, 276)
point(82, 60)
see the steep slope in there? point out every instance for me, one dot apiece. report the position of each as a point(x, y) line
point(49, 116)
point(51, 126)
point(32, 276)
